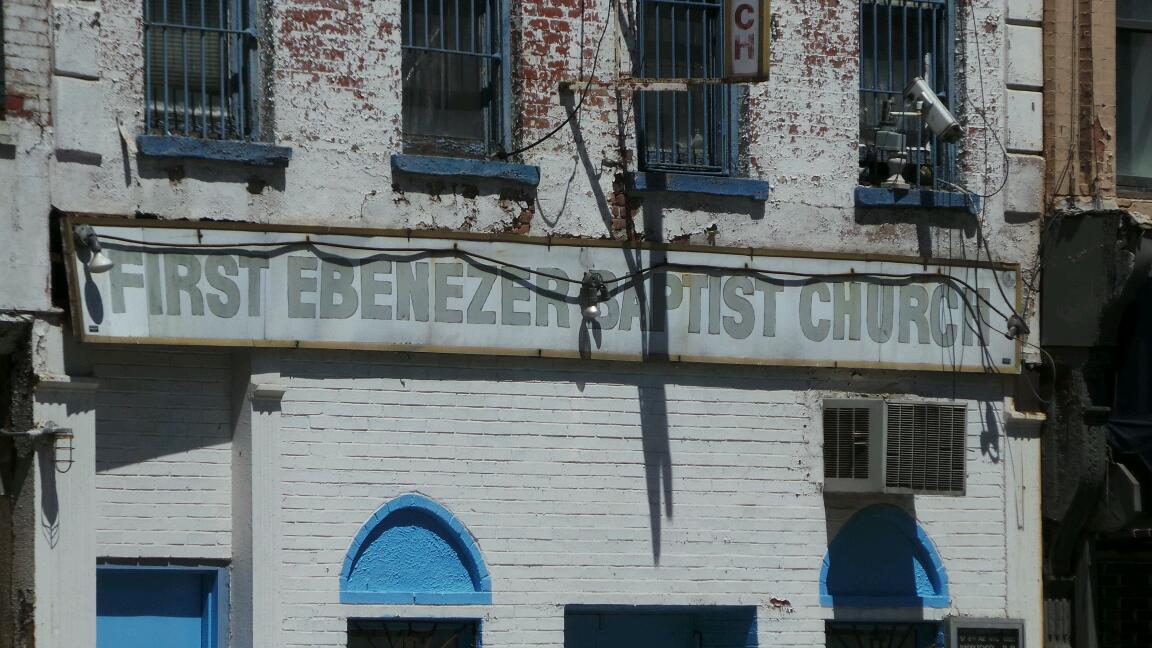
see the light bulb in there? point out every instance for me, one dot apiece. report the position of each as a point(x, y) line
point(99, 263)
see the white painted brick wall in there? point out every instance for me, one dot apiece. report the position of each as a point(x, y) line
point(163, 454)
point(544, 462)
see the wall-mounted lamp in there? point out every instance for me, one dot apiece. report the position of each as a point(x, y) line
point(592, 292)
point(1016, 327)
point(97, 260)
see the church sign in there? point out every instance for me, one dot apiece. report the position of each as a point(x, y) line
point(232, 285)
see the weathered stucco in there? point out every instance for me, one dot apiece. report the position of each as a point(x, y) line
point(334, 96)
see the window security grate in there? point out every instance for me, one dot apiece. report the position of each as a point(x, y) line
point(899, 41)
point(199, 60)
point(847, 433)
point(452, 78)
point(683, 130)
point(445, 633)
point(925, 448)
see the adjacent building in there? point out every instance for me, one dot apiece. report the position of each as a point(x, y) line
point(1095, 322)
point(449, 322)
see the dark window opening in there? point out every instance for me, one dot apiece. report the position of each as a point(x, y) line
point(428, 633)
point(888, 635)
point(1133, 94)
point(686, 130)
point(451, 64)
point(665, 626)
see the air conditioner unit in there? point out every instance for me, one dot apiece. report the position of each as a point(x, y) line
point(875, 446)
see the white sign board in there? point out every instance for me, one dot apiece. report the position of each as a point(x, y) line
point(748, 39)
point(225, 286)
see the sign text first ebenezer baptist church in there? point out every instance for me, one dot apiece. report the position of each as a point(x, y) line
point(198, 283)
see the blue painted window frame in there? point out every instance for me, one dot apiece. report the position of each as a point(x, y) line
point(498, 120)
point(725, 96)
point(238, 80)
point(217, 604)
point(482, 594)
point(943, 82)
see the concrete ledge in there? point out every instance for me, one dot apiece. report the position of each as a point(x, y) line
point(913, 198)
point(492, 170)
point(652, 181)
point(239, 152)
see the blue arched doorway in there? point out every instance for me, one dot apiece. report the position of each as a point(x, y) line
point(882, 558)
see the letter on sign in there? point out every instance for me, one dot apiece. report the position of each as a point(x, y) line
point(749, 22)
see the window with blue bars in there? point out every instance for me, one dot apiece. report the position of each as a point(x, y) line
point(455, 79)
point(200, 59)
point(901, 40)
point(683, 130)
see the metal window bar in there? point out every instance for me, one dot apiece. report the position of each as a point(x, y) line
point(446, 633)
point(899, 41)
point(199, 57)
point(452, 60)
point(687, 130)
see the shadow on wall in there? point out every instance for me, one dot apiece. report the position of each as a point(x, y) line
point(704, 626)
point(437, 186)
point(934, 228)
point(175, 171)
point(879, 558)
point(156, 401)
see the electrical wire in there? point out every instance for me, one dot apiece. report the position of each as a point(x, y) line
point(503, 155)
point(455, 251)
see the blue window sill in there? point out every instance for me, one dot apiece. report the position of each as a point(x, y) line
point(653, 181)
point(913, 198)
point(491, 170)
point(236, 151)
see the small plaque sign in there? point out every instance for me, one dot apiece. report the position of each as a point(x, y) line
point(986, 633)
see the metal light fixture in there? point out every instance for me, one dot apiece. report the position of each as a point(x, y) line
point(97, 261)
point(592, 291)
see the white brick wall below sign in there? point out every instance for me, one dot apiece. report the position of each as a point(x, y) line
point(567, 473)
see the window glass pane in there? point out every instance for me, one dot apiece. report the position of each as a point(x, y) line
point(196, 72)
point(445, 96)
point(1133, 103)
point(450, 99)
point(685, 129)
point(1134, 10)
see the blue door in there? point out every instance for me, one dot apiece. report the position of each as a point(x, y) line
point(150, 607)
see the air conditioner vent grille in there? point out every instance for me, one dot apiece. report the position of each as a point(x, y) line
point(924, 450)
point(846, 436)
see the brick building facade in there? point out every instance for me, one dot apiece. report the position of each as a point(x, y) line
point(336, 488)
